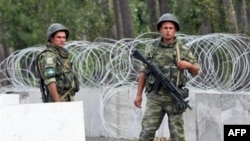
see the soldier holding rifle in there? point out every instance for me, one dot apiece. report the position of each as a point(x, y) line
point(172, 59)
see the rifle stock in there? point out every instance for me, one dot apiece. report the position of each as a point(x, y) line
point(163, 80)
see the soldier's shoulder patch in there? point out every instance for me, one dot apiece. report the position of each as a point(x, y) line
point(49, 61)
point(50, 72)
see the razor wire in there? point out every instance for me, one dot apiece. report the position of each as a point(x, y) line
point(108, 64)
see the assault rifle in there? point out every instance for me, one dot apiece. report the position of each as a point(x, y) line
point(163, 80)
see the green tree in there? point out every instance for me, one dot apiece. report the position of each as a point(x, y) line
point(24, 23)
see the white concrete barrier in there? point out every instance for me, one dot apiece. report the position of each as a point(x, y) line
point(9, 99)
point(115, 116)
point(213, 111)
point(42, 122)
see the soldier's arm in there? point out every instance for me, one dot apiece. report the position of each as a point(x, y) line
point(141, 84)
point(49, 73)
point(53, 91)
point(189, 62)
point(194, 69)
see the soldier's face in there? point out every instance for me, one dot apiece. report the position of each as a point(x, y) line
point(58, 39)
point(168, 31)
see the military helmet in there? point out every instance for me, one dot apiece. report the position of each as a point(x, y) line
point(53, 28)
point(168, 17)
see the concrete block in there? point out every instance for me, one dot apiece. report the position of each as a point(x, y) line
point(9, 99)
point(110, 113)
point(213, 111)
point(62, 121)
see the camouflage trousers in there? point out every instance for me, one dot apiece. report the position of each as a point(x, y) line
point(156, 108)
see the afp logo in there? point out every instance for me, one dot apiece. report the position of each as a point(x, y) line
point(237, 132)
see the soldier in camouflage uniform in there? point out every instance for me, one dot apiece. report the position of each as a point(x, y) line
point(164, 53)
point(55, 68)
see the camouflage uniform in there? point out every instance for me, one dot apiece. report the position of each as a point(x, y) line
point(54, 66)
point(159, 101)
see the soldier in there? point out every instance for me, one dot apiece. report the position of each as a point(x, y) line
point(58, 81)
point(172, 58)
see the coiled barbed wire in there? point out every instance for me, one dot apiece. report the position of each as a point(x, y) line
point(108, 64)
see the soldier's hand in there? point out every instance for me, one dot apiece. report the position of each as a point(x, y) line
point(183, 64)
point(138, 101)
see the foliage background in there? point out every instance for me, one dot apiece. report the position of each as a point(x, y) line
point(23, 23)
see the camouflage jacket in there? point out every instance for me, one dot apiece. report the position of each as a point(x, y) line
point(164, 56)
point(54, 66)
